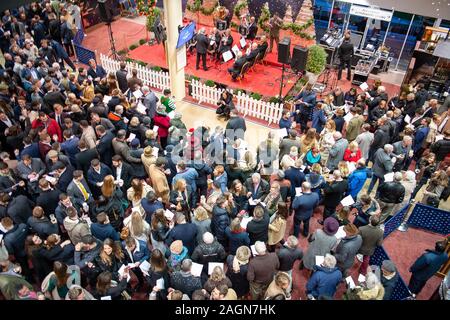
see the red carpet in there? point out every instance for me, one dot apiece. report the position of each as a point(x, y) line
point(264, 80)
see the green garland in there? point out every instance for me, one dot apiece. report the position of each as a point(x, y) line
point(298, 29)
point(238, 7)
point(198, 6)
point(152, 17)
point(263, 18)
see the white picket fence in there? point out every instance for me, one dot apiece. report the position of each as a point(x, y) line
point(248, 106)
point(155, 79)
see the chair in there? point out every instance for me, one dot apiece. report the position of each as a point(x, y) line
point(244, 69)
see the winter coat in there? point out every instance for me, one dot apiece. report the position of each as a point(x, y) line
point(159, 183)
point(202, 227)
point(76, 229)
point(346, 251)
point(261, 269)
point(391, 192)
point(334, 193)
point(382, 163)
point(356, 181)
point(259, 230)
point(389, 285)
point(140, 254)
point(219, 222)
point(321, 244)
point(304, 205)
point(186, 232)
point(277, 230)
point(104, 231)
point(337, 153)
point(43, 227)
point(428, 264)
point(324, 282)
point(238, 279)
point(185, 282)
point(205, 253)
point(287, 257)
point(372, 237)
point(236, 239)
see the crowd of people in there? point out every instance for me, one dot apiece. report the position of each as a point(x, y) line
point(108, 195)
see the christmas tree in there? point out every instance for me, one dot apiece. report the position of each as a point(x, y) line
point(288, 15)
point(306, 17)
point(264, 18)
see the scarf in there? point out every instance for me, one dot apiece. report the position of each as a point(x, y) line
point(238, 263)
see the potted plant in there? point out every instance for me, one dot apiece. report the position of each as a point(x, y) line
point(256, 96)
point(210, 83)
point(315, 64)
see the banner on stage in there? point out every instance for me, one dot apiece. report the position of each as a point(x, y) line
point(227, 56)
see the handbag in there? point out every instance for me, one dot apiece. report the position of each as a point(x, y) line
point(433, 201)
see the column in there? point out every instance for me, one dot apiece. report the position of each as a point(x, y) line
point(173, 14)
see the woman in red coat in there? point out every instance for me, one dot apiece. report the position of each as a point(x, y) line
point(163, 122)
point(352, 153)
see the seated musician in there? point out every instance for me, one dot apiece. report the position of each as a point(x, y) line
point(225, 43)
point(252, 29)
point(214, 35)
point(253, 53)
point(263, 44)
point(237, 66)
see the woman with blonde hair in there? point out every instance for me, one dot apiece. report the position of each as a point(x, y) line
point(110, 258)
point(352, 153)
point(181, 195)
point(308, 141)
point(138, 191)
point(248, 163)
point(237, 270)
point(279, 286)
point(344, 169)
point(202, 221)
point(327, 140)
point(216, 279)
point(137, 226)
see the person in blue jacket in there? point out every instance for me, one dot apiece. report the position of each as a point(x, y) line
point(304, 206)
point(325, 279)
point(318, 118)
point(103, 230)
point(136, 252)
point(426, 266)
point(419, 138)
point(357, 179)
point(285, 121)
point(305, 101)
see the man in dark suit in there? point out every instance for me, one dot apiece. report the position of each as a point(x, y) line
point(54, 96)
point(122, 171)
point(237, 66)
point(225, 43)
point(48, 198)
point(95, 71)
point(65, 175)
point(263, 44)
point(121, 76)
point(54, 28)
point(67, 36)
point(202, 47)
point(252, 29)
point(345, 54)
point(84, 157)
point(253, 53)
point(59, 115)
point(95, 175)
point(104, 144)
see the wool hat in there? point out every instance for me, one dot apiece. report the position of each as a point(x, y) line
point(351, 230)
point(389, 266)
point(330, 226)
point(147, 120)
point(135, 142)
point(176, 247)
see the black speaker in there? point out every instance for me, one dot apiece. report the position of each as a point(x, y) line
point(105, 10)
point(299, 58)
point(284, 50)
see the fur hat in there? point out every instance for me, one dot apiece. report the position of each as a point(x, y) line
point(176, 247)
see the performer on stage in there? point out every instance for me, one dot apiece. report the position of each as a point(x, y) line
point(225, 44)
point(237, 66)
point(202, 47)
point(275, 24)
point(253, 53)
point(345, 54)
point(222, 15)
point(252, 29)
point(214, 41)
